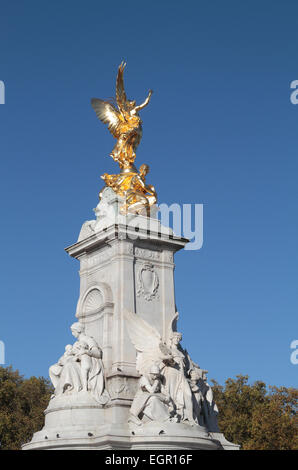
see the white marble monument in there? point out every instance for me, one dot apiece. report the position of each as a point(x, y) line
point(126, 383)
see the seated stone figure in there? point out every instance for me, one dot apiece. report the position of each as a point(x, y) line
point(149, 403)
point(80, 368)
point(56, 369)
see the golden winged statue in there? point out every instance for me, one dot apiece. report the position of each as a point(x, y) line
point(125, 125)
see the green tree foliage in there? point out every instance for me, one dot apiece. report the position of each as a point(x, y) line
point(255, 417)
point(22, 402)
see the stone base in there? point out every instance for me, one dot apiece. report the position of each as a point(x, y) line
point(78, 421)
point(225, 444)
point(152, 436)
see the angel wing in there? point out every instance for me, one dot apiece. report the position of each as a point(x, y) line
point(108, 114)
point(120, 92)
point(147, 341)
point(173, 325)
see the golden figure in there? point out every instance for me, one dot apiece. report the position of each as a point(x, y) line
point(132, 186)
point(126, 126)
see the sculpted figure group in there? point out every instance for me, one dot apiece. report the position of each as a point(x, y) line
point(122, 118)
point(131, 185)
point(172, 387)
point(80, 369)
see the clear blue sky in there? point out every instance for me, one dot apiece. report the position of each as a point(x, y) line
point(220, 130)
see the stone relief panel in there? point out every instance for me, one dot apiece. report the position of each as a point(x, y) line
point(168, 256)
point(95, 260)
point(147, 282)
point(148, 254)
point(122, 387)
point(93, 301)
point(125, 248)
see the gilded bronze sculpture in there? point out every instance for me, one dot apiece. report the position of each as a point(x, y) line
point(126, 126)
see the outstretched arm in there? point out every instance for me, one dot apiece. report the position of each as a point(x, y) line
point(141, 106)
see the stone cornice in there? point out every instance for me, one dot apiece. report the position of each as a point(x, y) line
point(127, 234)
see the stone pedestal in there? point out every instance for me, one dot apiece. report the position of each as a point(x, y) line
point(126, 263)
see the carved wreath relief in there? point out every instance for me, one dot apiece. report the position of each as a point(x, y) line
point(147, 282)
point(121, 387)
